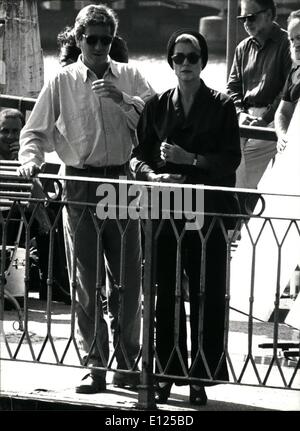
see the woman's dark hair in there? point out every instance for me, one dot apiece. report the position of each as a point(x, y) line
point(12, 113)
point(68, 50)
point(119, 50)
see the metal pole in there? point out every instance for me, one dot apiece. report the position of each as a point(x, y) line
point(146, 398)
point(232, 11)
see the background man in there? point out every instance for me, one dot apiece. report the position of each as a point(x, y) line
point(260, 68)
point(291, 91)
point(11, 123)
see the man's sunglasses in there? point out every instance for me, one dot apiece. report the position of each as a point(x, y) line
point(93, 39)
point(251, 17)
point(192, 58)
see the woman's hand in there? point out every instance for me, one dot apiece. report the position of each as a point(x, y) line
point(258, 122)
point(245, 119)
point(175, 154)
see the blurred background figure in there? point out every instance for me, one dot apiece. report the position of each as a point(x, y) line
point(119, 50)
point(260, 68)
point(68, 50)
point(291, 91)
point(11, 123)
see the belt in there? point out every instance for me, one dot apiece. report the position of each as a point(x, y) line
point(255, 105)
point(90, 171)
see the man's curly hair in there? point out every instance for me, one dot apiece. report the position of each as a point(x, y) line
point(95, 15)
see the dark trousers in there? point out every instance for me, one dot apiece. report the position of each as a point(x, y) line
point(171, 333)
point(123, 281)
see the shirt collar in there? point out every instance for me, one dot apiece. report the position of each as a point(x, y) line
point(200, 96)
point(201, 92)
point(85, 71)
point(82, 69)
point(113, 68)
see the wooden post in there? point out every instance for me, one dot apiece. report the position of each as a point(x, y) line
point(232, 11)
point(21, 58)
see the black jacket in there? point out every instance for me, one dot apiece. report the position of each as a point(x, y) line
point(210, 129)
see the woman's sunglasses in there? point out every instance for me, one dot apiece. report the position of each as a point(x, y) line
point(93, 39)
point(192, 58)
point(251, 17)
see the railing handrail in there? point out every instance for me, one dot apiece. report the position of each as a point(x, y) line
point(56, 177)
point(254, 132)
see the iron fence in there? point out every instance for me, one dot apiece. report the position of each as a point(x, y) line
point(252, 287)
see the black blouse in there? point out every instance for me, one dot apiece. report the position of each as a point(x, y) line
point(210, 129)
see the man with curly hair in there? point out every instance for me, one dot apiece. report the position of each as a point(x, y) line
point(88, 114)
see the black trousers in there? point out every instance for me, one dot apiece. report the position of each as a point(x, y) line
point(171, 332)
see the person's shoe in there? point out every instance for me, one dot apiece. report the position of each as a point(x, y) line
point(121, 380)
point(91, 384)
point(162, 392)
point(198, 396)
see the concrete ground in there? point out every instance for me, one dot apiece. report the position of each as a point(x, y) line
point(37, 386)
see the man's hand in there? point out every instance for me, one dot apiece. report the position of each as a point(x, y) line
point(166, 178)
point(258, 122)
point(281, 143)
point(105, 88)
point(28, 170)
point(175, 154)
point(245, 119)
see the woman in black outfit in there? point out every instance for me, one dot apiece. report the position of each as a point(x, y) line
point(189, 134)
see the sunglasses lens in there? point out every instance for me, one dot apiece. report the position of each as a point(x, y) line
point(251, 17)
point(93, 40)
point(178, 58)
point(193, 58)
point(105, 40)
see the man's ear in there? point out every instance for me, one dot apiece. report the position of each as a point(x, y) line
point(78, 42)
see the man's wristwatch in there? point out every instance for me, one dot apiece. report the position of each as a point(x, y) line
point(195, 161)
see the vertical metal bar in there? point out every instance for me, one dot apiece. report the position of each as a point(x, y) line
point(226, 354)
point(146, 399)
point(2, 286)
point(232, 11)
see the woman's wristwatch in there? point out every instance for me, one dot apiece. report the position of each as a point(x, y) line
point(195, 161)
